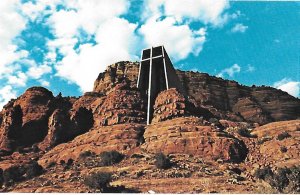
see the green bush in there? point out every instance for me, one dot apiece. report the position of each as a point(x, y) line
point(285, 180)
point(99, 180)
point(33, 169)
point(263, 140)
point(13, 174)
point(294, 180)
point(86, 154)
point(283, 136)
point(283, 149)
point(161, 161)
point(244, 132)
point(263, 173)
point(110, 158)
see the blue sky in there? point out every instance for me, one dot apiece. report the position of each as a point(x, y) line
point(63, 45)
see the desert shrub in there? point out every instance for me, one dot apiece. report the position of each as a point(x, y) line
point(98, 180)
point(283, 180)
point(1, 177)
point(51, 164)
point(244, 132)
point(35, 148)
point(13, 174)
point(283, 149)
point(263, 173)
point(33, 169)
point(86, 154)
point(279, 180)
point(161, 161)
point(294, 180)
point(110, 158)
point(69, 162)
point(263, 140)
point(62, 162)
point(283, 136)
point(214, 121)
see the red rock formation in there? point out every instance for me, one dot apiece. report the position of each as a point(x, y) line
point(171, 104)
point(122, 105)
point(191, 136)
point(10, 127)
point(117, 73)
point(274, 149)
point(225, 99)
point(35, 108)
point(122, 138)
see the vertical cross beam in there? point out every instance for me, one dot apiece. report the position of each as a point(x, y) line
point(156, 73)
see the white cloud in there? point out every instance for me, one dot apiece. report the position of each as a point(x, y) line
point(289, 86)
point(44, 83)
point(11, 24)
point(208, 12)
point(250, 68)
point(115, 41)
point(239, 28)
point(179, 40)
point(6, 94)
point(230, 71)
point(19, 79)
point(36, 72)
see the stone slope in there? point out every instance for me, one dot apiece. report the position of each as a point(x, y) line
point(187, 135)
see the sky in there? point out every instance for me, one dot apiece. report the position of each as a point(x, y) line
point(64, 44)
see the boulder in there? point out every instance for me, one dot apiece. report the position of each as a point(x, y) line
point(188, 135)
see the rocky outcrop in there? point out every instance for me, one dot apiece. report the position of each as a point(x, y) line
point(250, 111)
point(122, 105)
point(277, 144)
point(225, 99)
point(229, 100)
point(35, 108)
point(122, 138)
point(10, 127)
point(117, 73)
point(25, 120)
point(171, 104)
point(63, 126)
point(192, 136)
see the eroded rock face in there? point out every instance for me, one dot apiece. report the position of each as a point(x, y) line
point(171, 104)
point(251, 111)
point(10, 128)
point(122, 138)
point(122, 105)
point(25, 120)
point(117, 73)
point(63, 126)
point(277, 144)
point(225, 99)
point(190, 136)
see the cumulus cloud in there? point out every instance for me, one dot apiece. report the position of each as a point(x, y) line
point(89, 35)
point(250, 68)
point(231, 71)
point(19, 79)
point(289, 86)
point(12, 23)
point(208, 12)
point(115, 38)
point(44, 83)
point(6, 94)
point(239, 28)
point(179, 40)
point(36, 72)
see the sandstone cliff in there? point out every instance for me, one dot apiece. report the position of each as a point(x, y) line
point(206, 135)
point(226, 99)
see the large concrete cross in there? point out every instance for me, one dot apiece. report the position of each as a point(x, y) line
point(156, 73)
